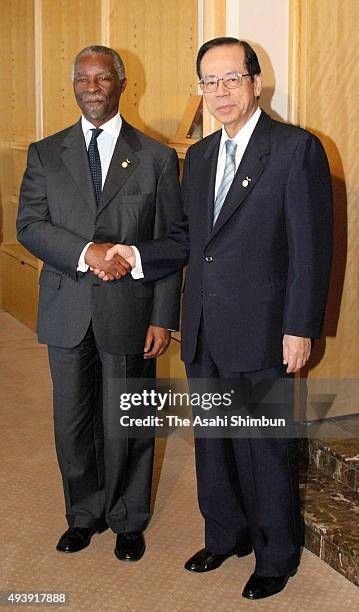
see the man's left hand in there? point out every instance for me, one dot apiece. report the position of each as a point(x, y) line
point(157, 341)
point(296, 352)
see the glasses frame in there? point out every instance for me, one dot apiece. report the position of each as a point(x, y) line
point(238, 74)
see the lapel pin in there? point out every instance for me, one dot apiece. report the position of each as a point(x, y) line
point(246, 181)
point(125, 163)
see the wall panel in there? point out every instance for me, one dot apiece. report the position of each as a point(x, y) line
point(214, 25)
point(158, 42)
point(265, 25)
point(67, 26)
point(17, 106)
point(20, 300)
point(23, 71)
point(6, 111)
point(324, 94)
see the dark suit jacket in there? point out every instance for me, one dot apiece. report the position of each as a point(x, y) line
point(58, 216)
point(263, 270)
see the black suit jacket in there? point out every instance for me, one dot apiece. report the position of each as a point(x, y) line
point(58, 216)
point(263, 270)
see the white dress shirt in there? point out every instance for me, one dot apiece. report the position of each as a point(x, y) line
point(106, 143)
point(241, 139)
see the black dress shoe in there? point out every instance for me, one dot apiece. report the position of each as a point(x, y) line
point(259, 587)
point(130, 546)
point(77, 538)
point(206, 561)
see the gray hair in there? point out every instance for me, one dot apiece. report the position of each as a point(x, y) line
point(102, 50)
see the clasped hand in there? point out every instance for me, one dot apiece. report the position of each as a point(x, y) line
point(110, 261)
point(113, 261)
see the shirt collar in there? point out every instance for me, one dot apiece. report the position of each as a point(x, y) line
point(244, 134)
point(112, 127)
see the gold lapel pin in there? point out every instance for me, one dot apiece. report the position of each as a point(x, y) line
point(246, 181)
point(125, 163)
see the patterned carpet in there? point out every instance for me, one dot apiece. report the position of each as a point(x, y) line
point(32, 520)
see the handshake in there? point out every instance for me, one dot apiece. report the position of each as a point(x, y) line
point(110, 261)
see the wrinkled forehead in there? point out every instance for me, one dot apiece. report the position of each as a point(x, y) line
point(94, 63)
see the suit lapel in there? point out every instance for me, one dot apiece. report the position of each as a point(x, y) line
point(74, 156)
point(248, 173)
point(208, 180)
point(123, 163)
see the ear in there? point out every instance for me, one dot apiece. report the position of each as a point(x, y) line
point(257, 83)
point(123, 85)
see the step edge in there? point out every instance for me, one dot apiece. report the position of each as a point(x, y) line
point(347, 556)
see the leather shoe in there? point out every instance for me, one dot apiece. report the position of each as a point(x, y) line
point(259, 587)
point(206, 561)
point(77, 538)
point(130, 546)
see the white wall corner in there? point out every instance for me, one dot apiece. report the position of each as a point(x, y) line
point(265, 25)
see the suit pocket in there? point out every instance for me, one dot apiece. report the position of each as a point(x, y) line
point(137, 198)
point(49, 279)
point(272, 291)
point(140, 290)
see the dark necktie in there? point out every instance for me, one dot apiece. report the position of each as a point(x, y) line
point(95, 163)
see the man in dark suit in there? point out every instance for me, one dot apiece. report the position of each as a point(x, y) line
point(256, 233)
point(96, 183)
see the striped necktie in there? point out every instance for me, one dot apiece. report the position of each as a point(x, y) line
point(95, 163)
point(228, 176)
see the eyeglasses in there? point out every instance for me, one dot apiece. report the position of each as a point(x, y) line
point(231, 80)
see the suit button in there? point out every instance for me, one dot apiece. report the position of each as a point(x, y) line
point(208, 259)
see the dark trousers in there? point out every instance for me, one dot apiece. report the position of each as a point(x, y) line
point(248, 488)
point(106, 475)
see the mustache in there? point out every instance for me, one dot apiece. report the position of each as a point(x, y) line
point(93, 99)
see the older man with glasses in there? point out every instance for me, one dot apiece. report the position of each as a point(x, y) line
point(256, 234)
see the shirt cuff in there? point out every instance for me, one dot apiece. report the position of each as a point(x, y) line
point(82, 266)
point(137, 271)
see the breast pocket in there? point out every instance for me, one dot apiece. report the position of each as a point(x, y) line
point(137, 198)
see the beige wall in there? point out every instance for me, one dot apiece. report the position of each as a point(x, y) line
point(18, 127)
point(324, 92)
point(265, 25)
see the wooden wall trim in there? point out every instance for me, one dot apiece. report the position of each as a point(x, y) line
point(298, 47)
point(39, 109)
point(294, 60)
point(214, 24)
point(105, 22)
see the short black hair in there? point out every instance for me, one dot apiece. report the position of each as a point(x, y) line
point(250, 56)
